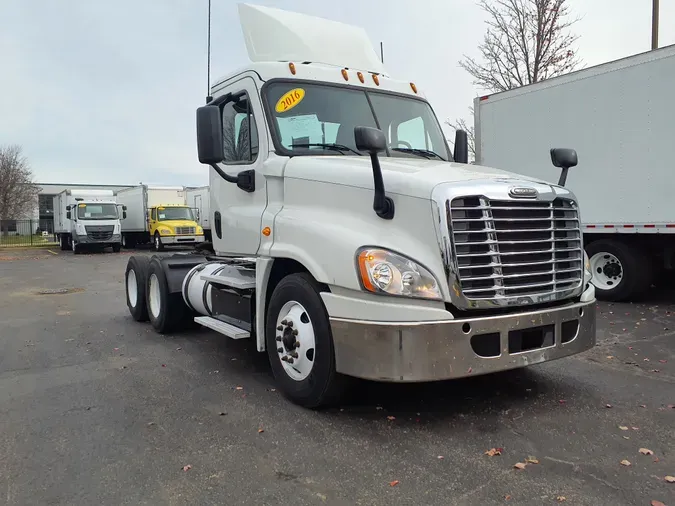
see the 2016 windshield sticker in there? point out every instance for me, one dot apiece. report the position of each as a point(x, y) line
point(290, 99)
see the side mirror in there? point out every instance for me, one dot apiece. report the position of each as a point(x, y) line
point(124, 208)
point(67, 208)
point(209, 135)
point(564, 158)
point(373, 141)
point(124, 215)
point(461, 154)
point(68, 215)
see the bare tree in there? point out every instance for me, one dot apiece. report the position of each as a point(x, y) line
point(18, 192)
point(526, 41)
point(461, 124)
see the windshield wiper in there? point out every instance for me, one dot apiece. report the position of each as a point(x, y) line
point(334, 147)
point(420, 152)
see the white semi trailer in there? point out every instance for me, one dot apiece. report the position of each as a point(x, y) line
point(87, 219)
point(197, 198)
point(350, 242)
point(619, 118)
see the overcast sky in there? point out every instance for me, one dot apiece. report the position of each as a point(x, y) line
point(105, 92)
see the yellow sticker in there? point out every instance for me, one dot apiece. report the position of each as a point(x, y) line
point(82, 205)
point(290, 99)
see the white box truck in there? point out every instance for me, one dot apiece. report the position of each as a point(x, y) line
point(349, 241)
point(620, 119)
point(198, 199)
point(87, 219)
point(158, 215)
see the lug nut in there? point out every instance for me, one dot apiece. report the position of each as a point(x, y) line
point(293, 354)
point(278, 338)
point(280, 350)
point(284, 358)
point(296, 344)
point(284, 322)
point(290, 323)
point(290, 361)
point(280, 327)
point(295, 332)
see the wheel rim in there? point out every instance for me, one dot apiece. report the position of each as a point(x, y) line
point(295, 341)
point(607, 271)
point(157, 242)
point(73, 246)
point(154, 295)
point(132, 288)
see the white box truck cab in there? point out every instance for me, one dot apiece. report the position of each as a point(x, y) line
point(87, 219)
point(349, 243)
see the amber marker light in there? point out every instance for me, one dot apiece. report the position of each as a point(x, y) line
point(414, 88)
point(266, 231)
point(376, 79)
point(345, 75)
point(360, 76)
point(291, 66)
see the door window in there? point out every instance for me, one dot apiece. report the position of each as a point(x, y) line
point(240, 132)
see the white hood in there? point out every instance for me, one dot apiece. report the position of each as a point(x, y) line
point(403, 176)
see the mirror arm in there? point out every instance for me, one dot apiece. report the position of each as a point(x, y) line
point(563, 176)
point(223, 174)
point(382, 205)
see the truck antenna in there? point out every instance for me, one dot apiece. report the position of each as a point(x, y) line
point(381, 52)
point(208, 59)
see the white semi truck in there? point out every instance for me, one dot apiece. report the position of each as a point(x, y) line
point(87, 219)
point(158, 215)
point(198, 198)
point(619, 119)
point(350, 242)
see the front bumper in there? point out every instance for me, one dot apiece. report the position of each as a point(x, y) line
point(182, 239)
point(427, 351)
point(85, 239)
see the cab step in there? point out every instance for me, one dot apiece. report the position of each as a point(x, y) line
point(223, 328)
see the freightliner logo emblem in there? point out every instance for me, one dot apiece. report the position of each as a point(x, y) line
point(521, 192)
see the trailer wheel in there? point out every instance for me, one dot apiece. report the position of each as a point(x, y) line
point(159, 245)
point(167, 311)
point(117, 247)
point(135, 279)
point(300, 343)
point(620, 271)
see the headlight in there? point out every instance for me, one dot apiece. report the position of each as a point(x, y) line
point(200, 230)
point(382, 271)
point(165, 231)
point(588, 274)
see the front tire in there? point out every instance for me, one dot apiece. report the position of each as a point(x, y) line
point(298, 325)
point(167, 311)
point(77, 249)
point(135, 279)
point(621, 272)
point(117, 247)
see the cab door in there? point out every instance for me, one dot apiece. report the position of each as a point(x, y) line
point(152, 220)
point(236, 213)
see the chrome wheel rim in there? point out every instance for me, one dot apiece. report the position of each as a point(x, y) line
point(295, 341)
point(607, 271)
point(154, 295)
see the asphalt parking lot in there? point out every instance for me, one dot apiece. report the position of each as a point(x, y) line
point(98, 409)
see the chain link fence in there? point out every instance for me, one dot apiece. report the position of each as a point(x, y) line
point(23, 233)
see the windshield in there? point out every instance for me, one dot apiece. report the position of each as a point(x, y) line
point(174, 213)
point(97, 211)
point(320, 118)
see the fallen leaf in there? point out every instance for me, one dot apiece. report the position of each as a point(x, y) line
point(635, 428)
point(493, 451)
point(178, 349)
point(394, 483)
point(323, 497)
point(643, 405)
point(630, 347)
point(470, 370)
point(390, 418)
point(163, 365)
point(608, 405)
point(656, 503)
point(239, 388)
point(671, 406)
point(116, 349)
point(645, 360)
point(562, 401)
point(610, 357)
point(519, 465)
point(623, 427)
point(561, 498)
point(187, 468)
point(670, 479)
point(531, 460)
point(656, 370)
point(507, 497)
point(625, 462)
point(646, 451)
point(441, 457)
point(626, 437)
point(663, 361)
point(260, 431)
point(222, 413)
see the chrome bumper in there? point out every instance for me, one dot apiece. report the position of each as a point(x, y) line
point(427, 351)
point(85, 239)
point(182, 239)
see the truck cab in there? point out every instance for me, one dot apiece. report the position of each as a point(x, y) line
point(350, 241)
point(173, 224)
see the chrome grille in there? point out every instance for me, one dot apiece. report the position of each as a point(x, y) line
point(185, 230)
point(506, 248)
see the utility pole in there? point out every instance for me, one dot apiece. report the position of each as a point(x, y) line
point(655, 24)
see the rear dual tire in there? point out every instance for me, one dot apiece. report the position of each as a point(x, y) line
point(621, 272)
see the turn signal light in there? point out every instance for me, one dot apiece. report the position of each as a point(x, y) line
point(345, 75)
point(291, 66)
